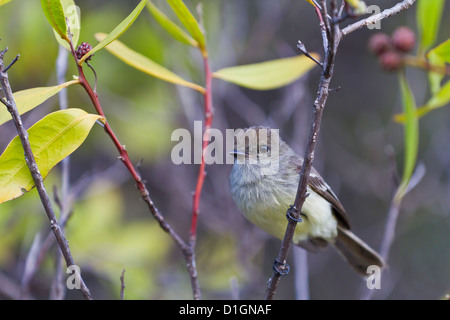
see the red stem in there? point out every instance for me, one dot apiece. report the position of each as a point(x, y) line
point(185, 248)
point(202, 171)
point(123, 152)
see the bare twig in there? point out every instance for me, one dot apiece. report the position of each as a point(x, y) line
point(35, 173)
point(30, 265)
point(12, 62)
point(186, 249)
point(201, 175)
point(301, 274)
point(399, 7)
point(391, 222)
point(10, 289)
point(122, 285)
point(332, 40)
point(331, 36)
point(58, 288)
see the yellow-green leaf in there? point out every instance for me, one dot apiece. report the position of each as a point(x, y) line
point(443, 51)
point(72, 14)
point(2, 2)
point(52, 139)
point(175, 31)
point(189, 22)
point(54, 12)
point(31, 98)
point(267, 75)
point(117, 32)
point(438, 100)
point(144, 64)
point(411, 137)
point(358, 6)
point(429, 13)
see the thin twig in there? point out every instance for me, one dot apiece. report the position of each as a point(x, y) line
point(122, 285)
point(331, 36)
point(399, 7)
point(391, 222)
point(10, 289)
point(294, 212)
point(35, 173)
point(30, 265)
point(187, 251)
point(201, 174)
point(12, 62)
point(301, 273)
point(58, 288)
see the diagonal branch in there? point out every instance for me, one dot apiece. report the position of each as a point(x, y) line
point(185, 248)
point(332, 35)
point(399, 7)
point(35, 173)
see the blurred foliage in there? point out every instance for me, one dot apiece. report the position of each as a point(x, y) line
point(110, 228)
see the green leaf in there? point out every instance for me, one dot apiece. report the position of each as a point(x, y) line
point(52, 139)
point(117, 32)
point(358, 6)
point(443, 51)
point(189, 22)
point(54, 12)
point(438, 100)
point(144, 64)
point(175, 31)
point(438, 57)
point(429, 13)
point(267, 75)
point(2, 2)
point(31, 98)
point(72, 14)
point(411, 132)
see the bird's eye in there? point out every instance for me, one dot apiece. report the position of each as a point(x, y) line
point(264, 149)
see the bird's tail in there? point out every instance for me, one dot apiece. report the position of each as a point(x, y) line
point(356, 252)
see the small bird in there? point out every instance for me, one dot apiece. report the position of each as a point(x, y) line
point(264, 181)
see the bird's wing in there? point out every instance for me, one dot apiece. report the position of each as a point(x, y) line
point(319, 185)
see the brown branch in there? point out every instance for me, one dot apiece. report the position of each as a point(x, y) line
point(399, 7)
point(391, 222)
point(426, 65)
point(35, 173)
point(186, 249)
point(331, 36)
point(122, 285)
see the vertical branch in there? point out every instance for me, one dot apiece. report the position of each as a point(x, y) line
point(186, 249)
point(331, 36)
point(122, 285)
point(205, 140)
point(58, 288)
point(207, 96)
point(61, 69)
point(391, 222)
point(35, 173)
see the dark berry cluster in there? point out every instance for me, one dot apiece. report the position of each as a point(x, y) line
point(391, 50)
point(83, 49)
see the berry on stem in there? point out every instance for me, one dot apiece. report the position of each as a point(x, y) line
point(404, 39)
point(391, 60)
point(380, 43)
point(82, 50)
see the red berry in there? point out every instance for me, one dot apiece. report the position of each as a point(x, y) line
point(391, 60)
point(404, 39)
point(83, 49)
point(379, 43)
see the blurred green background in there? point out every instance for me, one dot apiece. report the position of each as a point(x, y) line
point(111, 229)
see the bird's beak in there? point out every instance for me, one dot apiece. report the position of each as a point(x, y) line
point(235, 153)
